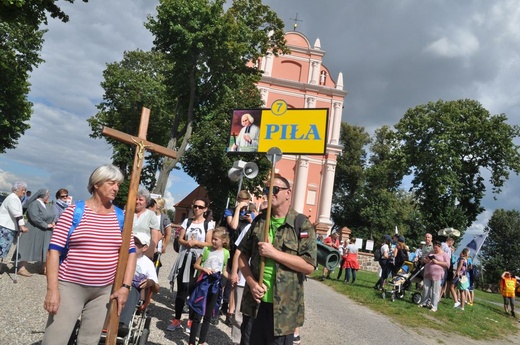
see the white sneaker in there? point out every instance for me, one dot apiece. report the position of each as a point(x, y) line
point(456, 305)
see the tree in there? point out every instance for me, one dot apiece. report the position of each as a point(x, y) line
point(21, 41)
point(500, 250)
point(201, 76)
point(137, 81)
point(209, 49)
point(446, 146)
point(350, 176)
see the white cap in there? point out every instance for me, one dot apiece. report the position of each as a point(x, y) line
point(143, 238)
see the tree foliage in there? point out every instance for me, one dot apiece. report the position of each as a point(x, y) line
point(209, 48)
point(500, 250)
point(446, 147)
point(195, 76)
point(21, 41)
point(136, 81)
point(366, 195)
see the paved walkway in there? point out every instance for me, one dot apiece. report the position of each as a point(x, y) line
point(331, 318)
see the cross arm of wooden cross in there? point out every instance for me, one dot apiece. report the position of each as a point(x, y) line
point(140, 142)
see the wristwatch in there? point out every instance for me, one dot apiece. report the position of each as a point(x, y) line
point(126, 286)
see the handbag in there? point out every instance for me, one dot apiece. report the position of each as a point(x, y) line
point(463, 283)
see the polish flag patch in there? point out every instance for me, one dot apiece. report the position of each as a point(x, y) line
point(304, 234)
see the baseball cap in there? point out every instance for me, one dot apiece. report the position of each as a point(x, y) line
point(388, 238)
point(143, 238)
point(401, 239)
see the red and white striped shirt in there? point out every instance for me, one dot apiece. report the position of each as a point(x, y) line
point(93, 247)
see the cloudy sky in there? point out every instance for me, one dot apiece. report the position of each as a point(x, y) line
point(394, 55)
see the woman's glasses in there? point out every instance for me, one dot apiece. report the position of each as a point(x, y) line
point(200, 207)
point(276, 189)
point(63, 196)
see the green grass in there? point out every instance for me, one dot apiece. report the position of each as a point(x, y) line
point(485, 320)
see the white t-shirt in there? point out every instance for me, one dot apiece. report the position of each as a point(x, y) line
point(215, 260)
point(196, 231)
point(144, 269)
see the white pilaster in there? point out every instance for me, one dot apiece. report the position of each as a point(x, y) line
point(314, 72)
point(335, 123)
point(327, 185)
point(300, 185)
point(264, 93)
point(310, 102)
point(268, 64)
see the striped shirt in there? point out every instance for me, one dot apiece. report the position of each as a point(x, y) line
point(93, 247)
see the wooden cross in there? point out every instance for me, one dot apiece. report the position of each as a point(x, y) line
point(141, 145)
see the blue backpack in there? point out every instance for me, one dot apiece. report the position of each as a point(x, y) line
point(76, 219)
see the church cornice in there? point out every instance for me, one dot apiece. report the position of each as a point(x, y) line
point(324, 90)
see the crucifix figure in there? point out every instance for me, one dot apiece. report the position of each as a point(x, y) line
point(141, 145)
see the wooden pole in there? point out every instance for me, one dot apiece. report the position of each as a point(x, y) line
point(268, 216)
point(141, 145)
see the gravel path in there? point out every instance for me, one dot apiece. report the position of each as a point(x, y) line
point(331, 318)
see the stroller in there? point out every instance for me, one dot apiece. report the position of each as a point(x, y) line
point(408, 274)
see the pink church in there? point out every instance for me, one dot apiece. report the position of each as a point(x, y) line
point(302, 81)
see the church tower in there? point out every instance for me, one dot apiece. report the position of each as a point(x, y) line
point(302, 81)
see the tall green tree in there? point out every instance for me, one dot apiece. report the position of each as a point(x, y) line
point(21, 41)
point(446, 146)
point(500, 250)
point(209, 48)
point(138, 80)
point(350, 176)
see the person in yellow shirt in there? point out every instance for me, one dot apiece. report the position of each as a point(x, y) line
point(507, 289)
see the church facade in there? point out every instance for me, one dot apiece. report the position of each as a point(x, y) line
point(302, 81)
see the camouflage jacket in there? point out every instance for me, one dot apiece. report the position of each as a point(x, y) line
point(288, 301)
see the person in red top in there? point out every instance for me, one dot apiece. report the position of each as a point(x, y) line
point(331, 241)
point(507, 289)
point(82, 283)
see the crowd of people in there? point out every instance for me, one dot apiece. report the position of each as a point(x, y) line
point(441, 272)
point(250, 269)
point(259, 272)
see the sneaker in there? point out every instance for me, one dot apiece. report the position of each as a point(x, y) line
point(174, 325)
point(188, 326)
point(433, 309)
point(470, 304)
point(513, 314)
point(296, 339)
point(462, 309)
point(456, 305)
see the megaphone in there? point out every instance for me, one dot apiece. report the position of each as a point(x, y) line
point(250, 170)
point(234, 174)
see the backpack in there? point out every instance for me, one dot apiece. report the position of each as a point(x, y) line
point(176, 244)
point(377, 254)
point(76, 219)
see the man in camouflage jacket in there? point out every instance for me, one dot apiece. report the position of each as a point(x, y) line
point(277, 303)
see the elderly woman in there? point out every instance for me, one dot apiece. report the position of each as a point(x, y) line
point(146, 221)
point(61, 203)
point(435, 263)
point(11, 218)
point(33, 246)
point(81, 284)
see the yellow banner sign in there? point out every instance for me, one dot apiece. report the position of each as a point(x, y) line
point(293, 131)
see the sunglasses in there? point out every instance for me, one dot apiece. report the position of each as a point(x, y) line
point(63, 196)
point(200, 207)
point(276, 190)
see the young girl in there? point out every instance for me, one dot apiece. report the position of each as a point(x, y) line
point(212, 266)
point(463, 279)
